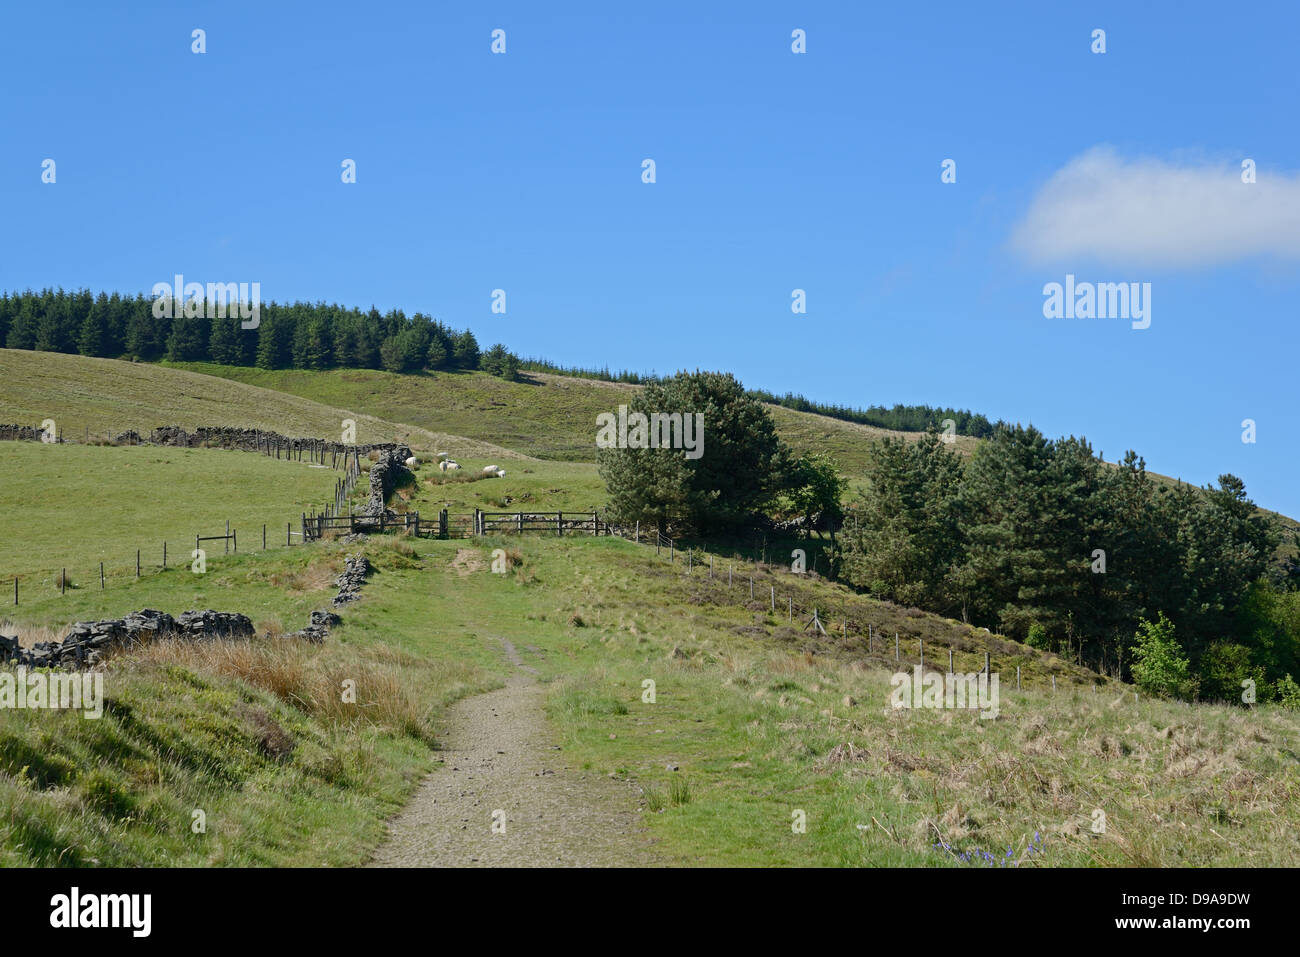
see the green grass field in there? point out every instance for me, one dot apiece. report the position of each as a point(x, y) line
point(73, 506)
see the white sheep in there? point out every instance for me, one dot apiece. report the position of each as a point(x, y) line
point(489, 470)
point(451, 466)
point(412, 462)
point(501, 473)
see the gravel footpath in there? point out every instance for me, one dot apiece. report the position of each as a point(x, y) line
point(498, 755)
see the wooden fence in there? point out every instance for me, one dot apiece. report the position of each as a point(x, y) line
point(316, 526)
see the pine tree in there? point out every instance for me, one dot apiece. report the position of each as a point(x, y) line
point(435, 357)
point(346, 351)
point(901, 539)
point(22, 330)
point(499, 361)
point(273, 337)
point(465, 351)
point(188, 341)
point(93, 335)
point(223, 342)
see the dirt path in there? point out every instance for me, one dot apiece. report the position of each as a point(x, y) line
point(499, 756)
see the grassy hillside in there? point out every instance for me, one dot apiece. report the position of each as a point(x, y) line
point(551, 417)
point(471, 415)
point(548, 416)
point(761, 723)
point(757, 719)
point(254, 734)
point(109, 396)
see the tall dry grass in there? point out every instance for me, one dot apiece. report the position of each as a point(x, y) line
point(336, 685)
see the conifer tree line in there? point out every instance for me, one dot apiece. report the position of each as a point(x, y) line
point(289, 336)
point(318, 336)
point(899, 417)
point(1044, 542)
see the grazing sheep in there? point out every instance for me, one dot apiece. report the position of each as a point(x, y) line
point(451, 466)
point(489, 469)
point(501, 473)
point(412, 462)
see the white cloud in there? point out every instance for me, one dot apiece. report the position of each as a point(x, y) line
point(1102, 207)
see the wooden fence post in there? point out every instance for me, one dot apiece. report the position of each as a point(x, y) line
point(101, 576)
point(773, 587)
point(137, 563)
point(63, 583)
point(1017, 677)
point(751, 587)
point(949, 661)
point(638, 531)
point(789, 607)
point(986, 662)
point(164, 556)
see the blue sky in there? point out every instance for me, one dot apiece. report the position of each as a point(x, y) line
point(775, 171)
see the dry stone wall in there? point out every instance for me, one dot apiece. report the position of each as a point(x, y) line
point(21, 433)
point(255, 440)
point(88, 641)
point(386, 474)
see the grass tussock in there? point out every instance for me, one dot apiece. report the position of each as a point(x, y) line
point(29, 635)
point(338, 689)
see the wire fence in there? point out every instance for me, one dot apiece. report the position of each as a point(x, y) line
point(762, 587)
